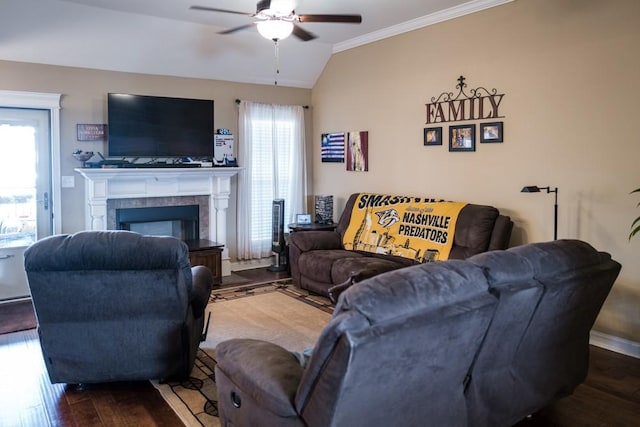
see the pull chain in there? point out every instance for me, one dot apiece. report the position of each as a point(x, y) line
point(277, 51)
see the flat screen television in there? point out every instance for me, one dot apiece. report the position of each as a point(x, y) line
point(154, 126)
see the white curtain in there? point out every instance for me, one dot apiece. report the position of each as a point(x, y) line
point(271, 149)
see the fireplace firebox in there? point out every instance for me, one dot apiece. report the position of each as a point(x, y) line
point(177, 221)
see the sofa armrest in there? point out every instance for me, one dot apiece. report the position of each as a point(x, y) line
point(202, 283)
point(335, 291)
point(501, 234)
point(315, 240)
point(266, 372)
point(306, 241)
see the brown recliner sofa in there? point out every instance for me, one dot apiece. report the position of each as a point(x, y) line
point(319, 261)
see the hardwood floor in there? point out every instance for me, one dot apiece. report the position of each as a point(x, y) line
point(609, 397)
point(28, 398)
point(16, 316)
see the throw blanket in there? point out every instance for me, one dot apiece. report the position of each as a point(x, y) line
point(411, 227)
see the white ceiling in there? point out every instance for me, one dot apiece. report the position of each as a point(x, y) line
point(165, 37)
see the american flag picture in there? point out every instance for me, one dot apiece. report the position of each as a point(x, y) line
point(332, 146)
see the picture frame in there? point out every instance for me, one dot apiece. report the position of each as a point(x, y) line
point(303, 219)
point(491, 132)
point(332, 147)
point(462, 138)
point(433, 136)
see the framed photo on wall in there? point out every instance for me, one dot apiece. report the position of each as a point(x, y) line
point(433, 136)
point(491, 132)
point(462, 138)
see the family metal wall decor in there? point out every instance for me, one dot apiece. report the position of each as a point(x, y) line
point(478, 104)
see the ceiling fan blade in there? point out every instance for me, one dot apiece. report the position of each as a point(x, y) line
point(346, 19)
point(213, 9)
point(241, 27)
point(302, 34)
point(263, 5)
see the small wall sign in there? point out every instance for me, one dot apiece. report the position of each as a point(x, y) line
point(91, 132)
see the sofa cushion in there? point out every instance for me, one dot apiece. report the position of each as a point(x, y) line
point(319, 264)
point(363, 267)
point(473, 231)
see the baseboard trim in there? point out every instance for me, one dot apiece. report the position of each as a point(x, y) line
point(254, 263)
point(613, 343)
point(11, 300)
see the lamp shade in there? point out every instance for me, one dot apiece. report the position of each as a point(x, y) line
point(530, 189)
point(275, 29)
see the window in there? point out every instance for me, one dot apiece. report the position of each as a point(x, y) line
point(271, 149)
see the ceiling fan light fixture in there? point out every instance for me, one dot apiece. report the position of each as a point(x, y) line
point(275, 29)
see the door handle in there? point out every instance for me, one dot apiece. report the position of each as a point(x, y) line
point(45, 201)
point(6, 257)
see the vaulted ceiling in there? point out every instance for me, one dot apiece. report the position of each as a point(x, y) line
point(166, 37)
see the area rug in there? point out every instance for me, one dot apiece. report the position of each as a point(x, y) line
point(277, 312)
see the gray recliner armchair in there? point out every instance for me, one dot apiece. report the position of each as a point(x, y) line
point(116, 306)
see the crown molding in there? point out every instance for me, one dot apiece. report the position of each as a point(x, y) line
point(421, 22)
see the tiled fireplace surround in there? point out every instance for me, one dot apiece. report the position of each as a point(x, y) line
point(109, 189)
point(151, 202)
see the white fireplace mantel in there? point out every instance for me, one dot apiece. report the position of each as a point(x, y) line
point(104, 184)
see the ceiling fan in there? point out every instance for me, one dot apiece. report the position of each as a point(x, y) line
point(274, 23)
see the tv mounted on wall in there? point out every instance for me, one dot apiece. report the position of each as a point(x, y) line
point(154, 126)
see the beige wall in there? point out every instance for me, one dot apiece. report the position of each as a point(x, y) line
point(569, 72)
point(84, 100)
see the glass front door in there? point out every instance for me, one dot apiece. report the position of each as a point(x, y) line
point(25, 189)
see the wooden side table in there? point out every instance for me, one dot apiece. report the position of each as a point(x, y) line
point(209, 254)
point(312, 227)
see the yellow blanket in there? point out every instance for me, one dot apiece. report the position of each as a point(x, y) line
point(411, 227)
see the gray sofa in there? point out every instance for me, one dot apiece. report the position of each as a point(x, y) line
point(116, 305)
point(480, 342)
point(319, 261)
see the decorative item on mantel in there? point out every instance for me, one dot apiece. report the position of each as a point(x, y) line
point(83, 156)
point(223, 149)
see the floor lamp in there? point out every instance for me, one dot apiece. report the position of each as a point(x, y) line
point(536, 189)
